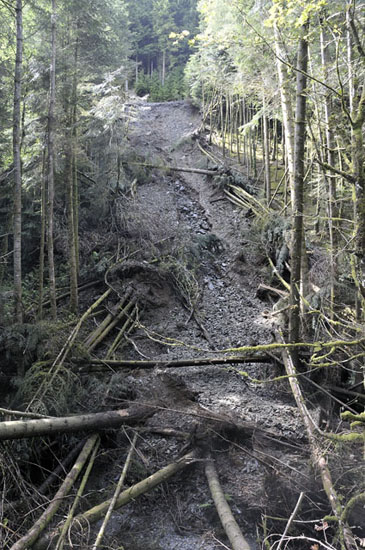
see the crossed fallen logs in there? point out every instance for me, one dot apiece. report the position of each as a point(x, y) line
point(38, 540)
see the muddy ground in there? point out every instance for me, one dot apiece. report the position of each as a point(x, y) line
point(194, 262)
point(261, 472)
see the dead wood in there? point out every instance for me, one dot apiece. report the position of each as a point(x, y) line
point(80, 492)
point(66, 294)
point(166, 432)
point(175, 168)
point(18, 429)
point(27, 540)
point(22, 414)
point(290, 520)
point(345, 391)
point(61, 357)
point(112, 322)
point(150, 364)
point(128, 325)
point(318, 449)
point(265, 290)
point(60, 469)
point(229, 524)
point(97, 512)
point(89, 341)
point(117, 491)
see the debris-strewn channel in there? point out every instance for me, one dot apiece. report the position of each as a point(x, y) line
point(185, 289)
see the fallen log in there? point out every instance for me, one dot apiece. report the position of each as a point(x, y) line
point(17, 429)
point(318, 450)
point(150, 364)
point(117, 491)
point(61, 357)
point(97, 512)
point(123, 312)
point(233, 532)
point(93, 339)
point(29, 538)
point(60, 469)
point(80, 491)
point(175, 168)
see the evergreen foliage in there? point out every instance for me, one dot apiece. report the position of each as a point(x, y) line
point(174, 87)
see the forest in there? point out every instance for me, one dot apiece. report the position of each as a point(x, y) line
point(182, 274)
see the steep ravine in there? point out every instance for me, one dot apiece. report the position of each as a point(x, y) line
point(260, 473)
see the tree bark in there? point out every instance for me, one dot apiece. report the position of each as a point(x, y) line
point(48, 514)
point(43, 237)
point(297, 230)
point(51, 190)
point(266, 149)
point(17, 223)
point(203, 361)
point(318, 452)
point(331, 178)
point(97, 512)
point(287, 109)
point(117, 491)
point(72, 187)
point(17, 429)
point(233, 532)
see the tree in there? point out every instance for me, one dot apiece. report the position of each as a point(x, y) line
point(17, 224)
point(298, 192)
point(51, 164)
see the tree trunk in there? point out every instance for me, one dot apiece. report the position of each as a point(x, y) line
point(163, 75)
point(358, 164)
point(17, 224)
point(318, 451)
point(51, 191)
point(97, 512)
point(72, 190)
point(266, 150)
point(297, 231)
point(233, 532)
point(18, 429)
point(27, 540)
point(331, 178)
point(287, 109)
point(43, 236)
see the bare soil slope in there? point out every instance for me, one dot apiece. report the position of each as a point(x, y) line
point(262, 471)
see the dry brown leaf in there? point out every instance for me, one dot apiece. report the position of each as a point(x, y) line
point(322, 527)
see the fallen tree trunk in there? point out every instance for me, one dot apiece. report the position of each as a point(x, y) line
point(89, 343)
point(318, 451)
point(175, 168)
point(97, 512)
point(150, 364)
point(61, 468)
point(80, 491)
point(117, 491)
point(29, 538)
point(228, 522)
point(18, 429)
